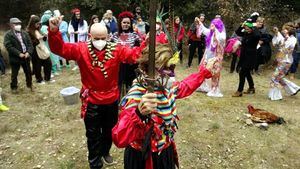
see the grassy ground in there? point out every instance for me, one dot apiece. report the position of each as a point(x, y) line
point(40, 131)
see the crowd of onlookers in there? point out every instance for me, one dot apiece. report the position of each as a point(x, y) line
point(28, 48)
point(107, 51)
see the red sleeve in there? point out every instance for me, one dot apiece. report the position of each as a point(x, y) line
point(187, 86)
point(181, 34)
point(189, 33)
point(69, 51)
point(128, 129)
point(161, 38)
point(130, 55)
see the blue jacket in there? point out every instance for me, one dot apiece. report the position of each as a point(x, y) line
point(63, 28)
point(297, 48)
point(113, 26)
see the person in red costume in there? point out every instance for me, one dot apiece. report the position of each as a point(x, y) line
point(179, 35)
point(98, 61)
point(147, 121)
point(160, 35)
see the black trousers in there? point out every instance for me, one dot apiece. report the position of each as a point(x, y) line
point(99, 121)
point(61, 62)
point(127, 74)
point(15, 67)
point(133, 159)
point(194, 45)
point(233, 62)
point(179, 47)
point(245, 74)
point(2, 65)
point(38, 64)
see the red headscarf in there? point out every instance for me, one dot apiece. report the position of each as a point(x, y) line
point(75, 10)
point(126, 14)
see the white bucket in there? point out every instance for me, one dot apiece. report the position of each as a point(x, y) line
point(70, 95)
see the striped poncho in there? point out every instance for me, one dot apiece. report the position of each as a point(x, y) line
point(131, 128)
point(164, 119)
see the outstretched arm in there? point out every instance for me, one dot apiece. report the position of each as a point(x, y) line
point(201, 29)
point(130, 55)
point(70, 51)
point(187, 86)
point(239, 31)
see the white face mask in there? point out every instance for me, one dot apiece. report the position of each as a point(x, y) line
point(170, 82)
point(157, 27)
point(99, 44)
point(18, 28)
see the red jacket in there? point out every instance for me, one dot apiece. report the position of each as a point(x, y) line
point(193, 36)
point(161, 38)
point(95, 88)
point(180, 34)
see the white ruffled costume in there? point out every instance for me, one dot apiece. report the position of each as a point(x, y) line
point(286, 46)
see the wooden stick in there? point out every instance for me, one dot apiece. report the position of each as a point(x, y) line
point(152, 34)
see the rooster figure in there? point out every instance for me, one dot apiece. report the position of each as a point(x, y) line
point(263, 116)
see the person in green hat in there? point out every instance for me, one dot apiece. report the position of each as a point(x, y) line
point(250, 37)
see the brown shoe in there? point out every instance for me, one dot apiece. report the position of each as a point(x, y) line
point(108, 160)
point(250, 91)
point(237, 94)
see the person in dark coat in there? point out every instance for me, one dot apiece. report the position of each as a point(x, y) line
point(250, 37)
point(19, 47)
point(264, 52)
